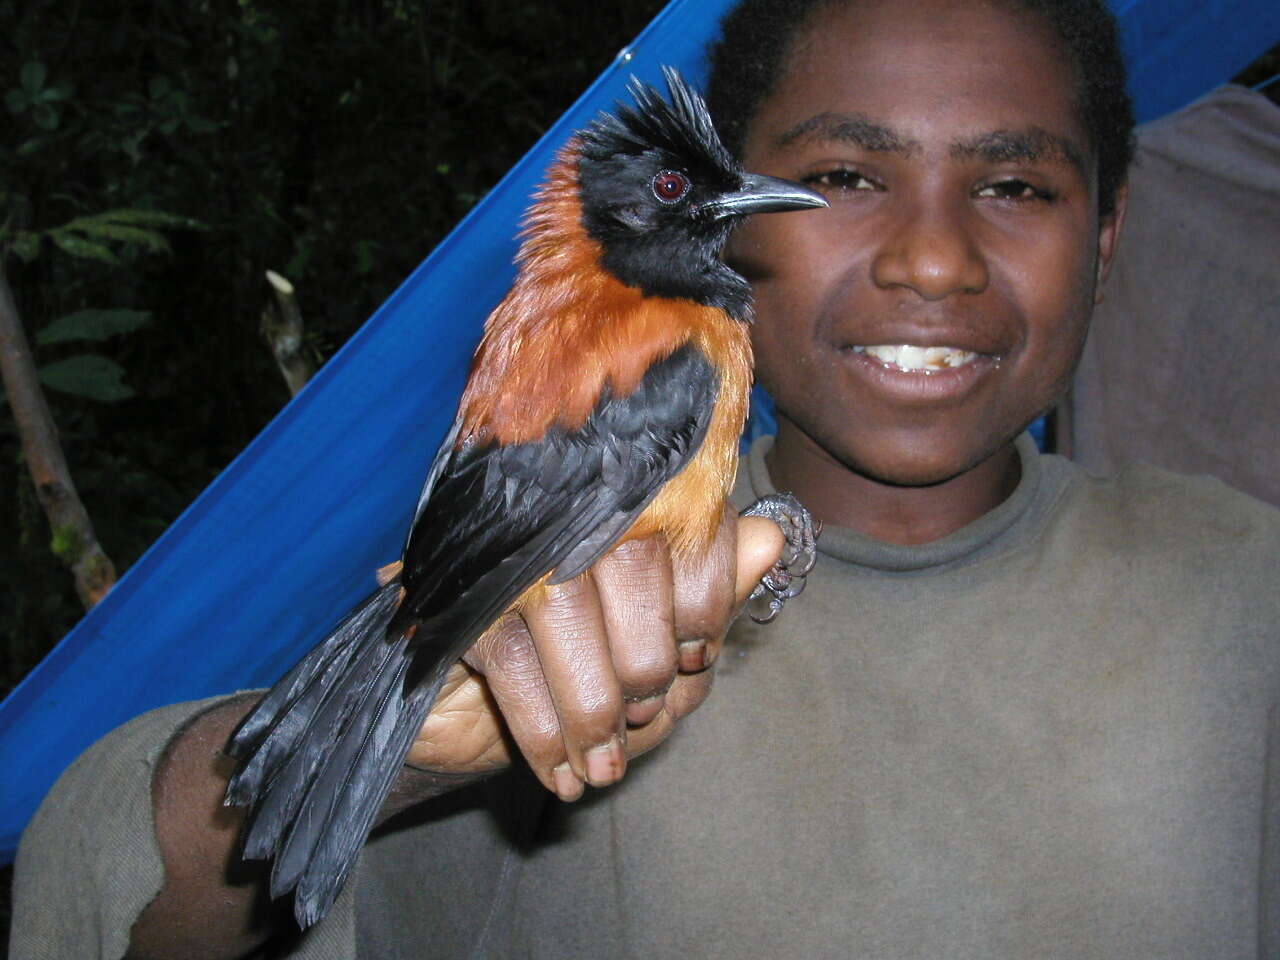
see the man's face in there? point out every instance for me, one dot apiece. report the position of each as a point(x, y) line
point(963, 225)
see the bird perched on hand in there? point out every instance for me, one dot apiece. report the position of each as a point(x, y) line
point(605, 403)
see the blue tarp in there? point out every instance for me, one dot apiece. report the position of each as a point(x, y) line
point(288, 537)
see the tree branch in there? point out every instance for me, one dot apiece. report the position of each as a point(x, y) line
point(74, 541)
point(283, 329)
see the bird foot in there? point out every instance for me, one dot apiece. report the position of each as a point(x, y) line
point(786, 578)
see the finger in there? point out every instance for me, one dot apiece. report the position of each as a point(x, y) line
point(686, 694)
point(704, 597)
point(464, 732)
point(508, 658)
point(634, 583)
point(567, 625)
point(760, 546)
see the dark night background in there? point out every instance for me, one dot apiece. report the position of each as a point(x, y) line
point(334, 143)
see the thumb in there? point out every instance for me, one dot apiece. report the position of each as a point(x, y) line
point(760, 543)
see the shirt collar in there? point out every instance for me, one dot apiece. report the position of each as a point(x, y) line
point(975, 541)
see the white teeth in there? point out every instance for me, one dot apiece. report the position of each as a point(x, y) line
point(904, 356)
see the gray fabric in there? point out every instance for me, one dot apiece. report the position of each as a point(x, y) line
point(1181, 367)
point(89, 862)
point(1057, 739)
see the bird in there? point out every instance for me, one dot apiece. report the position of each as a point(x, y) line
point(605, 403)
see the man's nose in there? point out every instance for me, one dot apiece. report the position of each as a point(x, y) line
point(931, 250)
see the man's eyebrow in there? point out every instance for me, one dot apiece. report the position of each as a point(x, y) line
point(1030, 145)
point(854, 128)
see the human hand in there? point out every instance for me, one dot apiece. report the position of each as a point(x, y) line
point(603, 669)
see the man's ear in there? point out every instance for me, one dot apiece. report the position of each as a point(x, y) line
point(1109, 229)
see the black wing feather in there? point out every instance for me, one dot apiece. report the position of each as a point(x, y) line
point(499, 517)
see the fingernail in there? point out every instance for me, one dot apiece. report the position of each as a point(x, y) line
point(605, 763)
point(568, 786)
point(693, 655)
point(642, 711)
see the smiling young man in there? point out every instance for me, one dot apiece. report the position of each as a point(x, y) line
point(1019, 712)
point(942, 303)
point(1034, 712)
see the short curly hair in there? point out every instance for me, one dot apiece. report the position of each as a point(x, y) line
point(749, 56)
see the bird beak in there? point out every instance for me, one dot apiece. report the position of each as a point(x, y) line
point(760, 194)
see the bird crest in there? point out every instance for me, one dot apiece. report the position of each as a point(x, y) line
point(680, 126)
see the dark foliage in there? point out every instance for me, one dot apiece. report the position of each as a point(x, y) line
point(334, 143)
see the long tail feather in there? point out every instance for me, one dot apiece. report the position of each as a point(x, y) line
point(279, 702)
point(322, 750)
point(366, 779)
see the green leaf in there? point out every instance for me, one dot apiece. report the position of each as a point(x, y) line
point(80, 247)
point(150, 218)
point(88, 375)
point(33, 76)
point(61, 91)
point(131, 145)
point(92, 325)
point(45, 116)
point(26, 245)
point(16, 100)
point(101, 229)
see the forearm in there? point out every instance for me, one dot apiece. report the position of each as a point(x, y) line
point(209, 906)
point(212, 904)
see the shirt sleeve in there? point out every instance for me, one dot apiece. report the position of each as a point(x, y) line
point(89, 862)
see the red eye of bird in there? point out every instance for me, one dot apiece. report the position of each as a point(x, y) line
point(670, 185)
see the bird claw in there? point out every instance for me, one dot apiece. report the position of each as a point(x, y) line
point(786, 579)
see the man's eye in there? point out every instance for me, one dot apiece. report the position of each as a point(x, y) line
point(841, 179)
point(1014, 189)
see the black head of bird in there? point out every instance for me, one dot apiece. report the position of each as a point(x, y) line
point(660, 193)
